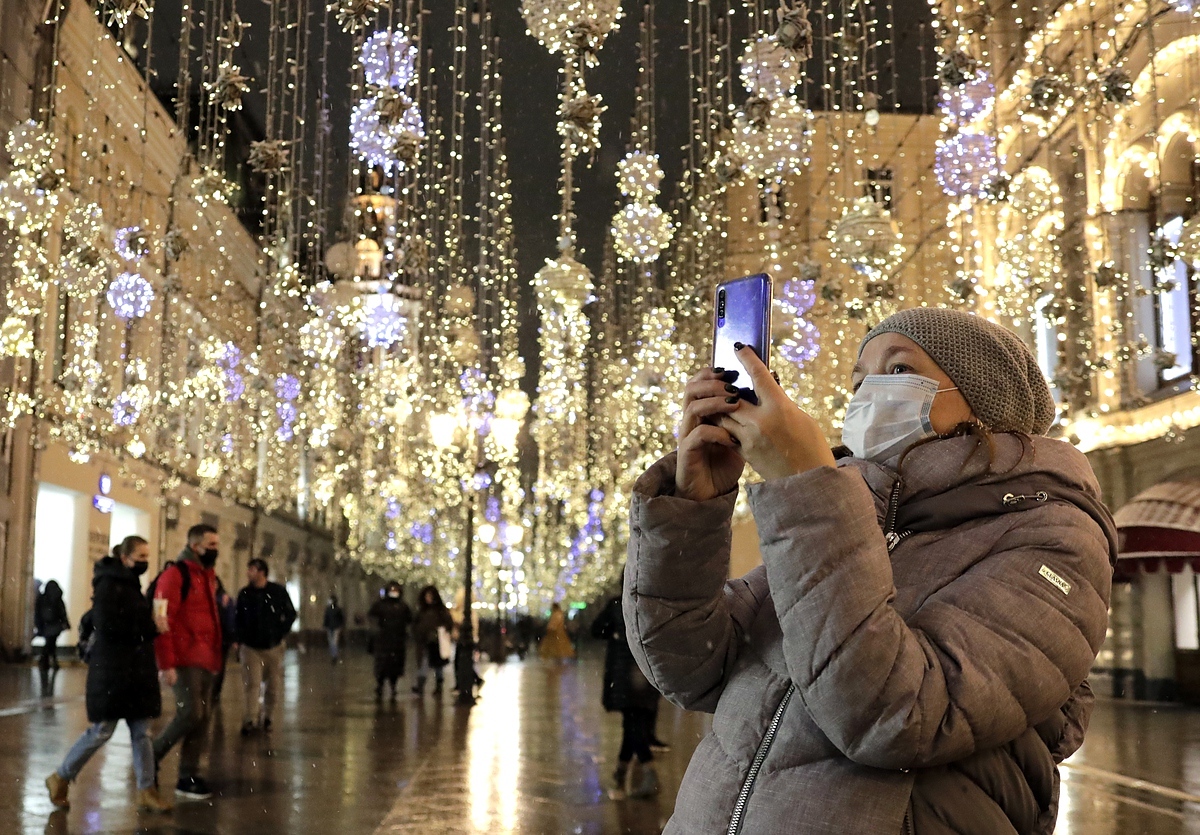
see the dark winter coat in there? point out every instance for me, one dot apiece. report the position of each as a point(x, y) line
point(50, 612)
point(122, 678)
point(390, 618)
point(264, 616)
point(935, 684)
point(194, 635)
point(625, 687)
point(335, 618)
point(425, 634)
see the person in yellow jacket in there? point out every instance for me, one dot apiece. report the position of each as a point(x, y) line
point(556, 644)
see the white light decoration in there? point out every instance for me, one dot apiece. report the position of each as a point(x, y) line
point(641, 232)
point(777, 145)
point(230, 85)
point(16, 339)
point(389, 59)
point(131, 243)
point(353, 15)
point(966, 163)
point(130, 296)
point(390, 146)
point(964, 102)
point(1189, 241)
point(768, 69)
point(639, 175)
point(119, 12)
point(868, 239)
point(1027, 229)
point(565, 282)
point(571, 25)
point(383, 322)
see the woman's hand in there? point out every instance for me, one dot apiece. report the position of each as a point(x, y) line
point(709, 464)
point(776, 437)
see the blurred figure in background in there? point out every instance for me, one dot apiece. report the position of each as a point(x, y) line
point(227, 607)
point(628, 691)
point(432, 615)
point(334, 623)
point(556, 644)
point(265, 615)
point(50, 621)
point(122, 678)
point(456, 615)
point(390, 617)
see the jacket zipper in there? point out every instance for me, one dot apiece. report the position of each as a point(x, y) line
point(890, 535)
point(739, 810)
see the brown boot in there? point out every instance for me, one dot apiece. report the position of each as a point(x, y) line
point(149, 800)
point(58, 788)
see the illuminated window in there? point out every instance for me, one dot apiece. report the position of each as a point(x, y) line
point(1045, 337)
point(1174, 314)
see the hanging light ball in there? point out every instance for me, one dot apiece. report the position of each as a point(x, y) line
point(639, 175)
point(390, 146)
point(353, 15)
point(565, 282)
point(383, 323)
point(778, 147)
point(795, 32)
point(1046, 93)
point(769, 70)
point(131, 243)
point(31, 146)
point(868, 238)
point(641, 232)
point(320, 340)
point(16, 339)
point(1116, 86)
point(965, 163)
point(957, 69)
point(964, 102)
point(571, 26)
point(130, 296)
point(389, 59)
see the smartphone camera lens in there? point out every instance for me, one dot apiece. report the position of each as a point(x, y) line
point(721, 308)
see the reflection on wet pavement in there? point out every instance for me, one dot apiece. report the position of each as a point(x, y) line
point(534, 756)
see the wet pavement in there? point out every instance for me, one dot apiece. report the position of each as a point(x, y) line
point(534, 756)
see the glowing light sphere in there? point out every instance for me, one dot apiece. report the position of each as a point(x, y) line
point(390, 146)
point(320, 340)
point(868, 239)
point(965, 163)
point(383, 323)
point(565, 282)
point(389, 59)
point(16, 339)
point(126, 410)
point(639, 175)
point(778, 147)
point(965, 102)
point(641, 232)
point(768, 69)
point(571, 26)
point(130, 296)
point(31, 146)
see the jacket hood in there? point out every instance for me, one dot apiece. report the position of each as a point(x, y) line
point(111, 568)
point(948, 482)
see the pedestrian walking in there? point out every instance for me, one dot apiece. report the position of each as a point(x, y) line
point(122, 678)
point(457, 618)
point(265, 615)
point(627, 691)
point(431, 635)
point(389, 617)
point(913, 654)
point(227, 607)
point(334, 623)
point(189, 653)
point(50, 621)
point(556, 643)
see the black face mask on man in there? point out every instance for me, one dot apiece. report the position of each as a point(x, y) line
point(208, 558)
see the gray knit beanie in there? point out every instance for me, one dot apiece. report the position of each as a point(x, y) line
point(995, 371)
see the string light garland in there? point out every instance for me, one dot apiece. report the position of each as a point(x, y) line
point(965, 163)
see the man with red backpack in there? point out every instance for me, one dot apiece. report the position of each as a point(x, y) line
point(189, 653)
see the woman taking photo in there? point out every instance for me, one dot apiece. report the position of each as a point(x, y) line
point(122, 678)
point(912, 655)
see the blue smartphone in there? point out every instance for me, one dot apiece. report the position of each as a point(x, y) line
point(742, 314)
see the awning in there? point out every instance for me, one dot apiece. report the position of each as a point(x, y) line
point(1160, 528)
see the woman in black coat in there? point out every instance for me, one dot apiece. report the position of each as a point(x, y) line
point(122, 680)
point(628, 691)
point(50, 621)
point(390, 617)
point(432, 615)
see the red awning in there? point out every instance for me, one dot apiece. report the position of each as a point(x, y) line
point(1160, 528)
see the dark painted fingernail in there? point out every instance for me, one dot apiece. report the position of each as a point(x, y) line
point(731, 399)
point(729, 376)
point(718, 370)
point(776, 376)
point(737, 346)
point(731, 389)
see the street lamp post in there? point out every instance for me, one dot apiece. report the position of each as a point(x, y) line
point(464, 656)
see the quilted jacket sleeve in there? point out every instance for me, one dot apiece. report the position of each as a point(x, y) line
point(684, 620)
point(997, 650)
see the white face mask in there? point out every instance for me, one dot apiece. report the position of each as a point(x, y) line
point(888, 414)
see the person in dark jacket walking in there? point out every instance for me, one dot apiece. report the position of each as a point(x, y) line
point(122, 678)
point(188, 649)
point(265, 615)
point(50, 621)
point(334, 622)
point(227, 606)
point(390, 617)
point(626, 690)
point(432, 615)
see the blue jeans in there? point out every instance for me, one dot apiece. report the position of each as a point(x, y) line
point(93, 740)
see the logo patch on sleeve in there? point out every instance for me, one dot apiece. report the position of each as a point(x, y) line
point(1056, 581)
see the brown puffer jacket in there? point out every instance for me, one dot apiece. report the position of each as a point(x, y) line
point(931, 690)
